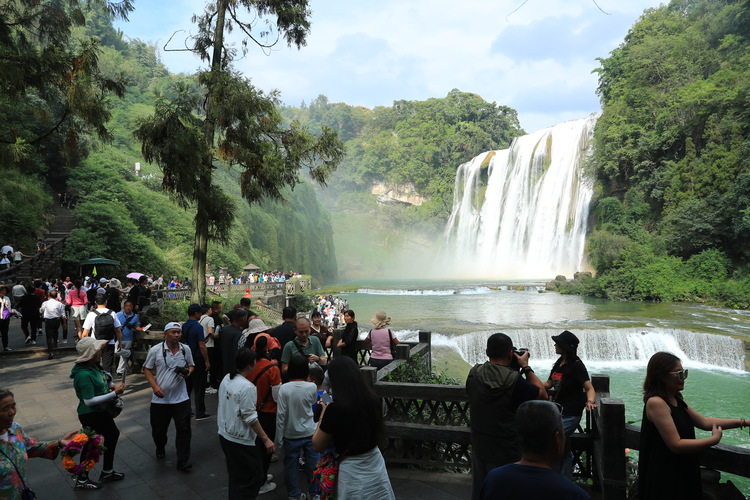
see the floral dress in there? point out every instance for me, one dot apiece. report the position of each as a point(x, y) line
point(19, 448)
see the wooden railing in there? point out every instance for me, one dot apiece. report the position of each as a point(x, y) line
point(44, 263)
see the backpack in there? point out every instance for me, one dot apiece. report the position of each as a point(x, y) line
point(104, 325)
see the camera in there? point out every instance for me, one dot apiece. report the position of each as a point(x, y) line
point(182, 370)
point(521, 351)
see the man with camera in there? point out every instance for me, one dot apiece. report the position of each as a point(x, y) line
point(496, 389)
point(167, 367)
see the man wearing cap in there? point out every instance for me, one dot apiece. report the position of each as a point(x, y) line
point(496, 388)
point(109, 331)
point(194, 336)
point(166, 368)
point(303, 345)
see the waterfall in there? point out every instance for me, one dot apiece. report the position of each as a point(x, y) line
point(624, 347)
point(521, 212)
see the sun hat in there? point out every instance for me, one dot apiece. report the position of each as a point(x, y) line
point(380, 320)
point(567, 341)
point(256, 326)
point(87, 348)
point(172, 325)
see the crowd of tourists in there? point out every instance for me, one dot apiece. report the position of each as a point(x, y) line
point(11, 255)
point(251, 277)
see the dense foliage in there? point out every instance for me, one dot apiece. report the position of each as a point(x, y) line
point(673, 158)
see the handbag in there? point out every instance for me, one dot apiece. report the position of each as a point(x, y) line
point(26, 493)
point(113, 407)
point(325, 475)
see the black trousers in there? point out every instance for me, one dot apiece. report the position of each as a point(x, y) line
point(214, 357)
point(108, 357)
point(268, 422)
point(4, 324)
point(34, 322)
point(51, 327)
point(104, 425)
point(196, 386)
point(161, 415)
point(244, 469)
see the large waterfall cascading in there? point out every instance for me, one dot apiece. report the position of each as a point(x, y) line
point(521, 212)
point(624, 346)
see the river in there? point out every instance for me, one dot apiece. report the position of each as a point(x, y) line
point(617, 338)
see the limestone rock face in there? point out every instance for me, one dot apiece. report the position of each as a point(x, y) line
point(398, 193)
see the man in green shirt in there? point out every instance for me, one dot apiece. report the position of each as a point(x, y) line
point(303, 345)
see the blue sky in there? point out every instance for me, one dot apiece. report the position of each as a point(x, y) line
point(537, 60)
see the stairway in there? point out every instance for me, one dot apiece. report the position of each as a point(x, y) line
point(47, 263)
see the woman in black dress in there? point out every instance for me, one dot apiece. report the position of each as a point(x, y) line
point(669, 465)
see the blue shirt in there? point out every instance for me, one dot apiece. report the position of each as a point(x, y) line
point(132, 320)
point(192, 333)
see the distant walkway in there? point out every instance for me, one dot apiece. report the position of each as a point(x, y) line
point(46, 403)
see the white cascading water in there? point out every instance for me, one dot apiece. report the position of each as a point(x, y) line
point(522, 212)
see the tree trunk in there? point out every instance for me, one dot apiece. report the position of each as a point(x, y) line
point(201, 217)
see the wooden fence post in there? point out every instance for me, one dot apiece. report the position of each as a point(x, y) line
point(612, 448)
point(426, 338)
point(370, 373)
point(403, 351)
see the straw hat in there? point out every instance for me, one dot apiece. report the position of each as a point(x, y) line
point(256, 326)
point(380, 320)
point(87, 348)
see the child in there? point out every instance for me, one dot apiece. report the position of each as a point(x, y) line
point(295, 425)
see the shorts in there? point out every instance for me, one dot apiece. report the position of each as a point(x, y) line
point(79, 312)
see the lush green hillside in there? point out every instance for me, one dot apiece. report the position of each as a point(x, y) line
point(673, 158)
point(127, 217)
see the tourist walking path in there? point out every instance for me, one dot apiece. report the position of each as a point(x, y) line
point(47, 410)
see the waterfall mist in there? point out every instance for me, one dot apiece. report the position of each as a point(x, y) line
point(522, 212)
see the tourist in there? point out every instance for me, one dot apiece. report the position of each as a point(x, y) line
point(353, 424)
point(295, 425)
point(212, 336)
point(318, 329)
point(229, 339)
point(495, 390)
point(16, 447)
point(348, 342)
point(284, 333)
point(194, 336)
point(569, 386)
point(266, 377)
point(238, 427)
point(103, 324)
point(19, 290)
point(303, 345)
point(95, 391)
point(53, 313)
point(542, 438)
point(77, 300)
point(6, 311)
point(166, 368)
point(130, 323)
point(382, 339)
point(4, 262)
point(668, 464)
point(30, 318)
point(18, 256)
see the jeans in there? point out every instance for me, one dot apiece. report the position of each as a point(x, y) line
point(161, 415)
point(570, 423)
point(292, 450)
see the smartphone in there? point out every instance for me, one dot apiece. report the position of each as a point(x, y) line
point(326, 398)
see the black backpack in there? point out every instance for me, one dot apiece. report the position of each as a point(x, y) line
point(104, 325)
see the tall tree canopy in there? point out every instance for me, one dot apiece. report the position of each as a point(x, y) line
point(228, 122)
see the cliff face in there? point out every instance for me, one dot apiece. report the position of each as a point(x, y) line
point(405, 194)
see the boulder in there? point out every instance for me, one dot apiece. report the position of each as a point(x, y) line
point(582, 274)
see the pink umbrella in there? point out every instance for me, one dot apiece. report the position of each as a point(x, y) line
point(134, 275)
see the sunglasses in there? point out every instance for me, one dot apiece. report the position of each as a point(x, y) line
point(681, 375)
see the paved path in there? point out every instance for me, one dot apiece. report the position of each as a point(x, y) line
point(46, 409)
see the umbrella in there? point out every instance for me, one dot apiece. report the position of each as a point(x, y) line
point(135, 276)
point(99, 260)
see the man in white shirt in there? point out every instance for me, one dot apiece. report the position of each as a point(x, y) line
point(53, 313)
point(167, 366)
point(103, 324)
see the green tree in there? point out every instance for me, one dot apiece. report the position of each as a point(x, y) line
point(231, 123)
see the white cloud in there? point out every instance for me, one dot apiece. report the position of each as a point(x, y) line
point(537, 59)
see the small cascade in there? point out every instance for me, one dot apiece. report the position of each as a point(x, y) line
point(624, 347)
point(522, 212)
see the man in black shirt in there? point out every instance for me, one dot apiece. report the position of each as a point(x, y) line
point(285, 331)
point(228, 338)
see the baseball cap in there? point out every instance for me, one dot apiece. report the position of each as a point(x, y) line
point(172, 325)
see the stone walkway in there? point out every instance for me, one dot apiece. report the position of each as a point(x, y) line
point(47, 410)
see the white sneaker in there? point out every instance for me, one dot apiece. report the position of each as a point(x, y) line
point(33, 342)
point(211, 390)
point(65, 341)
point(266, 488)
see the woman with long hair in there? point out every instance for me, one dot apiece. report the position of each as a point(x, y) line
point(95, 390)
point(353, 424)
point(569, 386)
point(669, 465)
point(77, 300)
point(238, 427)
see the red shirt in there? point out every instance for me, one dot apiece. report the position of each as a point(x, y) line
point(270, 377)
